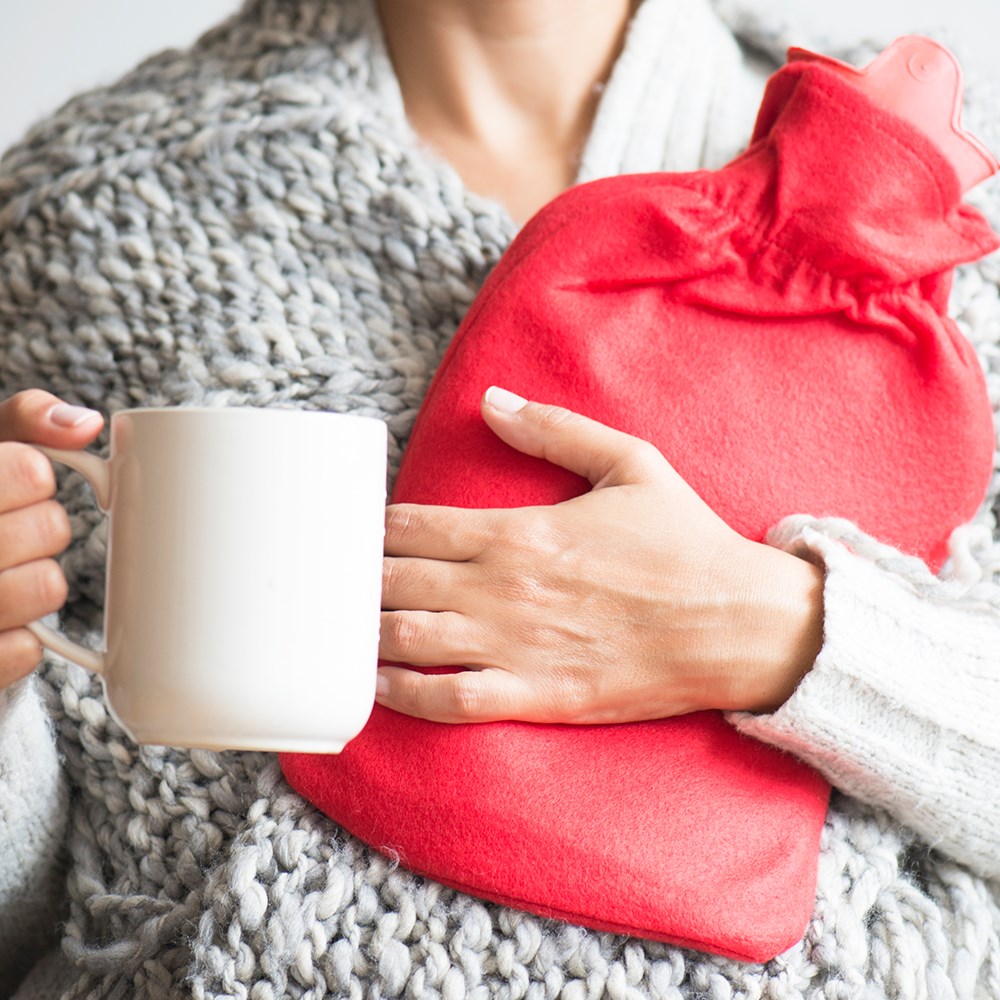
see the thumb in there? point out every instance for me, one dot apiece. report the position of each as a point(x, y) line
point(593, 450)
point(37, 417)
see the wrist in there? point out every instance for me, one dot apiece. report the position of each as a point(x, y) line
point(778, 630)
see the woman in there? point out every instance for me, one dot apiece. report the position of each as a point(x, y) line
point(299, 211)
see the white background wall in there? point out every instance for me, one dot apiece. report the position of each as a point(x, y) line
point(49, 49)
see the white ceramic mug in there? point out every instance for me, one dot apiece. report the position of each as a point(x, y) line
point(244, 576)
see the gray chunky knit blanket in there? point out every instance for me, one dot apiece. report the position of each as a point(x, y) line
point(252, 223)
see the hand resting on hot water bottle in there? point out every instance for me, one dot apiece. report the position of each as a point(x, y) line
point(778, 331)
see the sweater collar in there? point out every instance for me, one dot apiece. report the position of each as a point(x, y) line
point(682, 96)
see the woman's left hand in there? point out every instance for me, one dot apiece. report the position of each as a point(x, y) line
point(633, 601)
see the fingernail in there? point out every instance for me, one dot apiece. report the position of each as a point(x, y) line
point(504, 401)
point(381, 683)
point(65, 415)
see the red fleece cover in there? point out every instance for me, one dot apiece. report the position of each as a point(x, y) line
point(777, 328)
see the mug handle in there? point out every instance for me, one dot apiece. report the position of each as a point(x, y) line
point(97, 472)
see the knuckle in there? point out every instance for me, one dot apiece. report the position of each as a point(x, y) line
point(529, 533)
point(54, 524)
point(50, 585)
point(390, 573)
point(402, 522)
point(541, 537)
point(552, 418)
point(644, 454)
point(30, 469)
point(465, 699)
point(21, 409)
point(27, 402)
point(411, 696)
point(406, 695)
point(23, 653)
point(402, 634)
point(534, 572)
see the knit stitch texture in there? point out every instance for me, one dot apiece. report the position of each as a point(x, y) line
point(251, 222)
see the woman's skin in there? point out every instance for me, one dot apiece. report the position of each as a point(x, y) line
point(633, 601)
point(505, 90)
point(33, 527)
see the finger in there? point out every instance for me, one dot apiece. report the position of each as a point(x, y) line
point(33, 532)
point(469, 696)
point(20, 653)
point(422, 584)
point(424, 531)
point(29, 592)
point(26, 476)
point(39, 417)
point(599, 453)
point(428, 638)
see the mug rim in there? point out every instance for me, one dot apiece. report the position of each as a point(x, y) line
point(230, 411)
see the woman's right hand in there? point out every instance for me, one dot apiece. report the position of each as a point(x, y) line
point(33, 526)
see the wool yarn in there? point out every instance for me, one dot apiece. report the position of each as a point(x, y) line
point(251, 223)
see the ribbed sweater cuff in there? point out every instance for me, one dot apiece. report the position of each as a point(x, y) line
point(900, 707)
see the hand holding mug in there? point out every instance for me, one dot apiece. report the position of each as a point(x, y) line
point(243, 575)
point(34, 527)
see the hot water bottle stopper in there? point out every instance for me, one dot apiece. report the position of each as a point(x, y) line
point(778, 329)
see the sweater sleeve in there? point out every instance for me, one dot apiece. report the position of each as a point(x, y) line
point(33, 808)
point(900, 709)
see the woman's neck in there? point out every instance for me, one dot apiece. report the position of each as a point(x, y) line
point(505, 90)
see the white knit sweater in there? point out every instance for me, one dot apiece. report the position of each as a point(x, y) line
point(254, 222)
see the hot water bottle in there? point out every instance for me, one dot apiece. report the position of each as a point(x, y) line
point(778, 329)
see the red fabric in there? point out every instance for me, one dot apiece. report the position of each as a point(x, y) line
point(778, 329)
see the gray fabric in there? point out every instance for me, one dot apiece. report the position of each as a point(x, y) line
point(33, 807)
point(49, 978)
point(252, 223)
